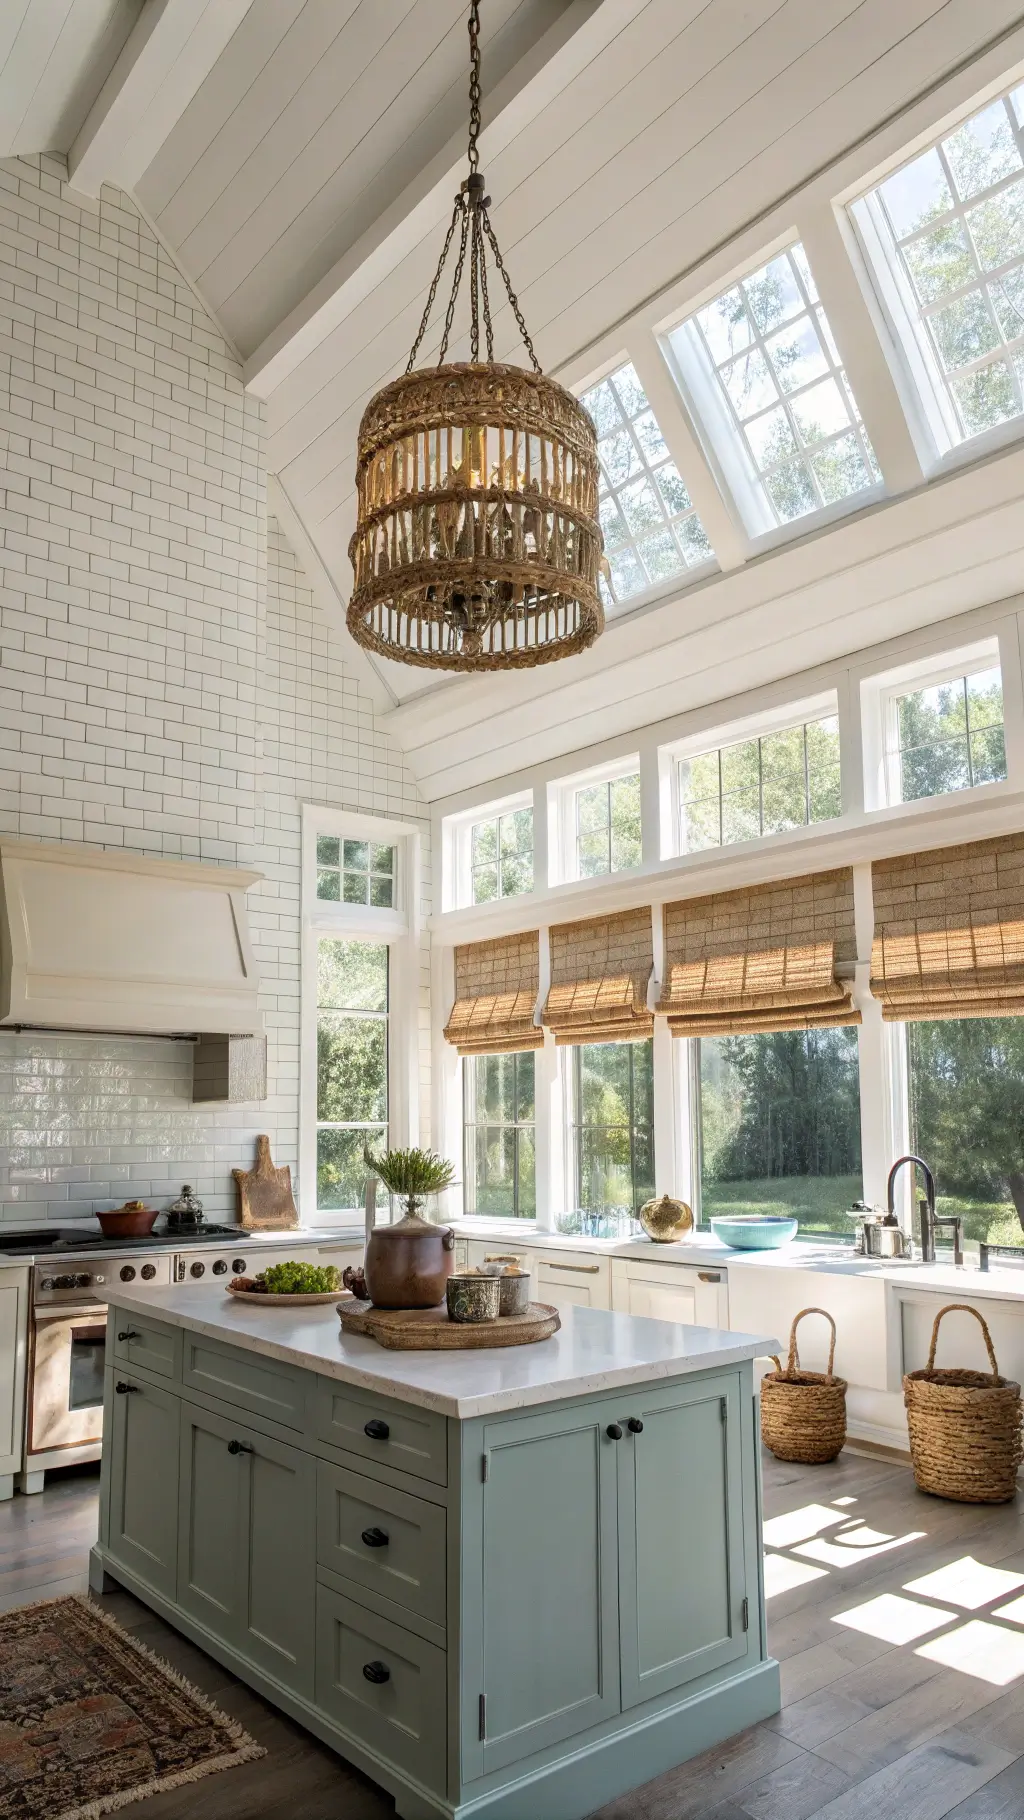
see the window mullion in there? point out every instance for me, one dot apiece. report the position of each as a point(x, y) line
point(729, 542)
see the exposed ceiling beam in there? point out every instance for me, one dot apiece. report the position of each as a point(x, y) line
point(558, 58)
point(169, 54)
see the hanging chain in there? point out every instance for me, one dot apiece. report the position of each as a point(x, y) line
point(472, 205)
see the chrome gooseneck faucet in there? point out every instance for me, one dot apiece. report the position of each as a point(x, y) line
point(930, 1220)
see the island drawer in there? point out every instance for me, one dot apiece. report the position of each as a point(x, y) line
point(145, 1344)
point(399, 1435)
point(264, 1387)
point(382, 1685)
point(386, 1540)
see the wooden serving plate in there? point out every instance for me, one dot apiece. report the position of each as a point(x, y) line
point(430, 1330)
point(289, 1301)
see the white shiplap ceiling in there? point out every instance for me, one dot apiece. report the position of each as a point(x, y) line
point(54, 58)
point(299, 159)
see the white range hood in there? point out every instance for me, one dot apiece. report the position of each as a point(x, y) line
point(94, 940)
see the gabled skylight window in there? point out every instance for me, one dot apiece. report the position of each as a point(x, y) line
point(651, 528)
point(765, 381)
point(945, 240)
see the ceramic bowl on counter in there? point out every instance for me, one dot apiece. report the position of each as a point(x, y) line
point(755, 1231)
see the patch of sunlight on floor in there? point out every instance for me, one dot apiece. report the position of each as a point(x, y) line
point(1014, 1611)
point(894, 1620)
point(840, 1503)
point(799, 1525)
point(855, 1545)
point(981, 1650)
point(781, 1575)
point(967, 1582)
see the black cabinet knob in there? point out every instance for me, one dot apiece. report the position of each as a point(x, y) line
point(128, 1333)
point(238, 1447)
point(635, 1425)
point(123, 1389)
point(376, 1538)
point(378, 1672)
point(377, 1431)
point(613, 1431)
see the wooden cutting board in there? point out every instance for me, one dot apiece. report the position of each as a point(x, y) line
point(265, 1199)
point(430, 1330)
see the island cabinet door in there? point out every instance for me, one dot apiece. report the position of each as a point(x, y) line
point(547, 1656)
point(143, 1528)
point(682, 1593)
point(248, 1543)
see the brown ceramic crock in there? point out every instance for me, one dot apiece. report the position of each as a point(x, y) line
point(408, 1265)
point(132, 1221)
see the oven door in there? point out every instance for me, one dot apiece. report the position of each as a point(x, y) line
point(66, 1396)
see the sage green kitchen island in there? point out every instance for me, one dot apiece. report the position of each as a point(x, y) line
point(508, 1583)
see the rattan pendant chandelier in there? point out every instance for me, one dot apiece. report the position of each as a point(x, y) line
point(477, 545)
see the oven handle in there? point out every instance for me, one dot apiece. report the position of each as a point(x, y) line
point(84, 1311)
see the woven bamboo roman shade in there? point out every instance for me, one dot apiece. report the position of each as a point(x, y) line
point(760, 959)
point(496, 987)
point(599, 975)
point(949, 932)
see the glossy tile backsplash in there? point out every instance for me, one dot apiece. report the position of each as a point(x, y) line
point(167, 682)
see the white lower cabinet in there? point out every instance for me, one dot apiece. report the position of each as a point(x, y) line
point(583, 1281)
point(670, 1292)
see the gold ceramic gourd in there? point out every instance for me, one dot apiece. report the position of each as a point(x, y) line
point(665, 1219)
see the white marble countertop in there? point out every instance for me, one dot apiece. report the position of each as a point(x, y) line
point(163, 1242)
point(593, 1351)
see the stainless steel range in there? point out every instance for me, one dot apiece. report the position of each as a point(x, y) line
point(68, 1316)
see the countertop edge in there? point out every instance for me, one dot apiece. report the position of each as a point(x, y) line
point(736, 1349)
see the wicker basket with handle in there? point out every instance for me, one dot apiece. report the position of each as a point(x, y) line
point(965, 1426)
point(803, 1413)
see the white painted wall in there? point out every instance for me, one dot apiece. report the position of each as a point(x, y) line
point(166, 682)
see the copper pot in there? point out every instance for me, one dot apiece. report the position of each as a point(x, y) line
point(132, 1221)
point(408, 1265)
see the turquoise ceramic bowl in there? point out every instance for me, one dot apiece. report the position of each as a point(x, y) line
point(755, 1231)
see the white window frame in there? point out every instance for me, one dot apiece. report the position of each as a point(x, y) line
point(457, 849)
point(718, 429)
point(910, 346)
point(755, 726)
point(399, 929)
point(562, 817)
point(879, 697)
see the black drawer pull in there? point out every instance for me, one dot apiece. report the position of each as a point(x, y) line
point(635, 1425)
point(376, 1430)
point(129, 1333)
point(238, 1447)
point(377, 1672)
point(123, 1389)
point(613, 1431)
point(376, 1538)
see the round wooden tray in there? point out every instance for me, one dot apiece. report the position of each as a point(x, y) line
point(430, 1330)
point(289, 1301)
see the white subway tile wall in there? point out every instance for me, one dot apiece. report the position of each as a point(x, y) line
point(167, 684)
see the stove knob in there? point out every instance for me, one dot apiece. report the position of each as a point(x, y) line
point(127, 1273)
point(83, 1280)
point(238, 1266)
point(48, 1283)
point(197, 1269)
point(99, 1279)
point(220, 1267)
point(149, 1272)
point(64, 1282)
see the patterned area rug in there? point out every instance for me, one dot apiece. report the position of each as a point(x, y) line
point(91, 1720)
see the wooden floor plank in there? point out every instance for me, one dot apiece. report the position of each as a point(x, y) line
point(926, 1784)
point(1000, 1799)
point(936, 1703)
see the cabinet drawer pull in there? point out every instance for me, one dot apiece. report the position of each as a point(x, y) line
point(613, 1431)
point(377, 1672)
point(123, 1389)
point(635, 1425)
point(376, 1430)
point(709, 1276)
point(583, 1270)
point(375, 1538)
point(128, 1333)
point(238, 1447)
